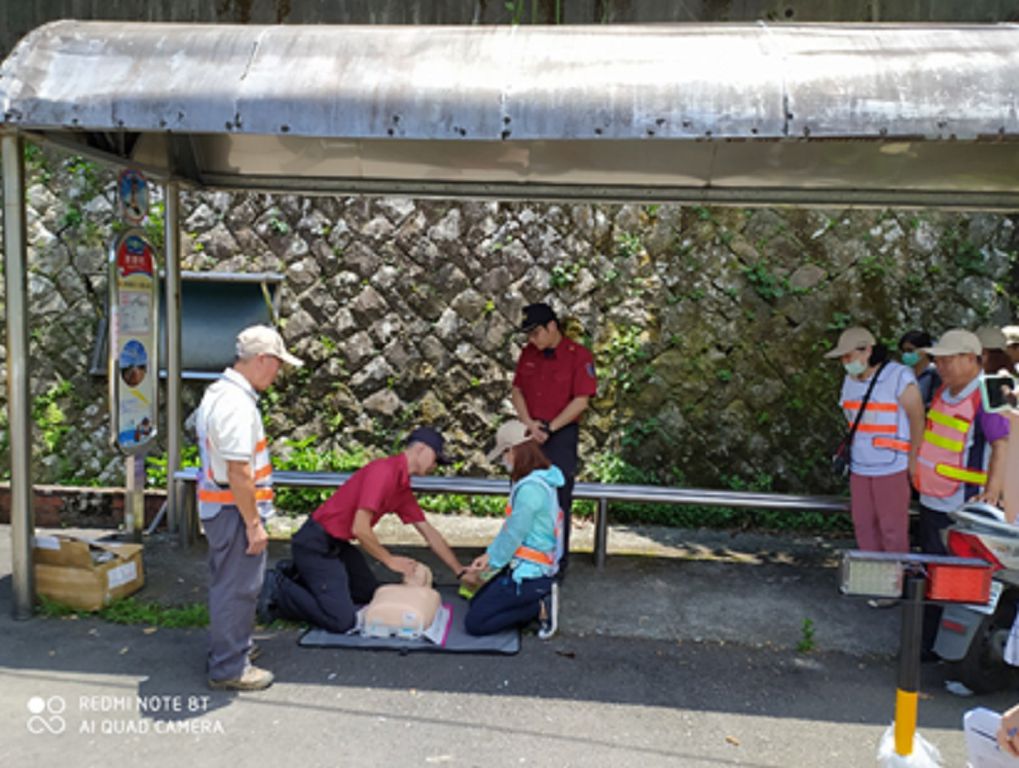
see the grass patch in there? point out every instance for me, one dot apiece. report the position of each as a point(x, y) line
point(807, 643)
point(131, 611)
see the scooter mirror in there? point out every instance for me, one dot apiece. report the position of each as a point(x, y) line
point(979, 509)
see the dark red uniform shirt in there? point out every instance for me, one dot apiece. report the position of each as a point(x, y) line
point(550, 381)
point(381, 486)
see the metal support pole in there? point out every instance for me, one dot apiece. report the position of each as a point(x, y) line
point(134, 497)
point(601, 533)
point(19, 425)
point(171, 239)
point(909, 664)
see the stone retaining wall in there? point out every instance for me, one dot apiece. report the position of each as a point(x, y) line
point(708, 324)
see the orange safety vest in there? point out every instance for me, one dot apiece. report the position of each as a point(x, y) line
point(879, 425)
point(941, 462)
point(536, 555)
point(532, 555)
point(212, 493)
point(213, 496)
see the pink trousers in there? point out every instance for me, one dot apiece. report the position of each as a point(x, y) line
point(880, 507)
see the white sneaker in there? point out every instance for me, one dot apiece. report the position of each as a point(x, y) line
point(548, 616)
point(956, 688)
point(252, 679)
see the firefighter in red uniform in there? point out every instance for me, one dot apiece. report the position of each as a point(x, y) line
point(553, 382)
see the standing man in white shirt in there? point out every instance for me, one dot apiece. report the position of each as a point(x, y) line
point(235, 498)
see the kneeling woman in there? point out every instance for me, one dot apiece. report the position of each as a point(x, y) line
point(525, 554)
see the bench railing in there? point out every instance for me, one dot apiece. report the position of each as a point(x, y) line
point(603, 493)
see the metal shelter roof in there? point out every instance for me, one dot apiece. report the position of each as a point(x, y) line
point(801, 114)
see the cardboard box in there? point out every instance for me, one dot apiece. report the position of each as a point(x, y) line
point(84, 574)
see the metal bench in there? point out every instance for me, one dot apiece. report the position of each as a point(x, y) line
point(603, 493)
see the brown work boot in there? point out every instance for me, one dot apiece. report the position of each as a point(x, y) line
point(253, 679)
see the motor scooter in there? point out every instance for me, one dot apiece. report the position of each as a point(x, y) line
point(972, 638)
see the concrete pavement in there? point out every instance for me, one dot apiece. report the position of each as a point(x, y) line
point(684, 658)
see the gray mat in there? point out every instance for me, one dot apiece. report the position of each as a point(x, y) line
point(457, 640)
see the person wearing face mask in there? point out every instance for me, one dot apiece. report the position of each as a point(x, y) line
point(526, 552)
point(886, 441)
point(923, 367)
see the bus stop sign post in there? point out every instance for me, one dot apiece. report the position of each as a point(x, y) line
point(133, 354)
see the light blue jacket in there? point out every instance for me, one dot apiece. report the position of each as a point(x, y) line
point(535, 508)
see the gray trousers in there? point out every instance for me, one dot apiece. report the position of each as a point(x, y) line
point(235, 579)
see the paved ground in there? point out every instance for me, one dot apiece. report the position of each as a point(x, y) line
point(686, 657)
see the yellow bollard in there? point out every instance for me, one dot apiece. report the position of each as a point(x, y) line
point(905, 721)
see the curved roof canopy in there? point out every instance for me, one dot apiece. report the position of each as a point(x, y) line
point(804, 114)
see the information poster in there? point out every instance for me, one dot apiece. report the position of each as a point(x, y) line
point(134, 370)
point(133, 195)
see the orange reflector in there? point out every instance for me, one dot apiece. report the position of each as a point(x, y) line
point(958, 583)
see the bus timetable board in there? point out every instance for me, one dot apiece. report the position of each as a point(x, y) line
point(134, 370)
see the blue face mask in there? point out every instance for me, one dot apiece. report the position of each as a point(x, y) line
point(910, 358)
point(855, 367)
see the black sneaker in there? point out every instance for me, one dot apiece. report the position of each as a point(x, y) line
point(548, 614)
point(265, 609)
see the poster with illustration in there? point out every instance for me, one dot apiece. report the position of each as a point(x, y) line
point(133, 366)
point(133, 195)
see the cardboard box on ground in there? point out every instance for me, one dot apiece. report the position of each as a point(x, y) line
point(84, 574)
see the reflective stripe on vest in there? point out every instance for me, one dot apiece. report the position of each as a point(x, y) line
point(941, 462)
point(883, 432)
point(972, 476)
point(892, 444)
point(227, 496)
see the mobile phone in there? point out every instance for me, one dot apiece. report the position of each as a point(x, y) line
point(998, 392)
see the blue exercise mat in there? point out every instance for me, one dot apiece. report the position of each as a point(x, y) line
point(457, 640)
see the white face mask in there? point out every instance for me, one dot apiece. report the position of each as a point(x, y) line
point(508, 463)
point(855, 367)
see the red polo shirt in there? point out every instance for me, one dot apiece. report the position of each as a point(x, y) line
point(550, 381)
point(381, 486)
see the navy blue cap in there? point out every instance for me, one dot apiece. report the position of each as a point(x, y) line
point(535, 315)
point(433, 439)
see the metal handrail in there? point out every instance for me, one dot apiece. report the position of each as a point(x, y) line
point(603, 493)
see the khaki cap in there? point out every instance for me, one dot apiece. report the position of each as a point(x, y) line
point(991, 337)
point(510, 434)
point(955, 342)
point(263, 340)
point(852, 339)
point(1011, 334)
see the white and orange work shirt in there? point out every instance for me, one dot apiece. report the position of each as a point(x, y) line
point(881, 442)
point(230, 428)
